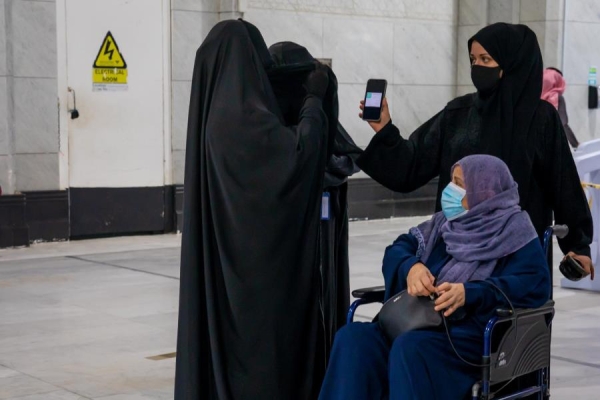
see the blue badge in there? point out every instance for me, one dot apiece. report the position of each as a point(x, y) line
point(325, 207)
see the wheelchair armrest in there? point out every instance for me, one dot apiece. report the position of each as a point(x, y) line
point(504, 313)
point(517, 344)
point(370, 295)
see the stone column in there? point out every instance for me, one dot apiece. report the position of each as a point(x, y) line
point(472, 16)
point(7, 179)
point(30, 79)
point(190, 23)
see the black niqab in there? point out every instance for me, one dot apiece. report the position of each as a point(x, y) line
point(249, 293)
point(507, 114)
point(293, 63)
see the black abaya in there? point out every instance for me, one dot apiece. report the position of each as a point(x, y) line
point(248, 319)
point(511, 123)
point(292, 64)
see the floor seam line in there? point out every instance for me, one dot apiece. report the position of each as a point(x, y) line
point(42, 380)
point(122, 267)
point(572, 361)
point(54, 256)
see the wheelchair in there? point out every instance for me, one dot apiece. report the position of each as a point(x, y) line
point(516, 344)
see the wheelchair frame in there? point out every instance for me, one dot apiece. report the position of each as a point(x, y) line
point(514, 345)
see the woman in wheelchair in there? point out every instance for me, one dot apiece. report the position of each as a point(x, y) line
point(481, 236)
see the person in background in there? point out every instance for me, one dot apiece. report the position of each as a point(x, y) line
point(552, 92)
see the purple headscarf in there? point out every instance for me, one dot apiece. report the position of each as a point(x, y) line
point(493, 228)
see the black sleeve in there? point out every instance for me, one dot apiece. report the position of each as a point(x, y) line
point(564, 119)
point(404, 165)
point(562, 111)
point(312, 125)
point(563, 187)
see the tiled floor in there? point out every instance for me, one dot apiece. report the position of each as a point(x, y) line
point(79, 320)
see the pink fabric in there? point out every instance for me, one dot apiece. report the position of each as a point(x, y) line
point(554, 86)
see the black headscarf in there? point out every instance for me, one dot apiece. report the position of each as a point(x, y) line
point(293, 63)
point(249, 313)
point(259, 45)
point(508, 113)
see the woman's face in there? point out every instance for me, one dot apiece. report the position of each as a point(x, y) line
point(459, 180)
point(479, 56)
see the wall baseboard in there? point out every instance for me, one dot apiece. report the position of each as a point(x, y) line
point(120, 211)
point(80, 213)
point(13, 226)
point(178, 207)
point(367, 199)
point(47, 215)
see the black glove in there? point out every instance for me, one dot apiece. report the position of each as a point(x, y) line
point(318, 81)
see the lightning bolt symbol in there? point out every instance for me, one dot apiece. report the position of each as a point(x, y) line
point(107, 51)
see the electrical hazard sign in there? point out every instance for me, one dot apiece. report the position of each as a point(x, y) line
point(109, 72)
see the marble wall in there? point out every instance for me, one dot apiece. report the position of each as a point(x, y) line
point(420, 47)
point(410, 43)
point(191, 20)
point(6, 143)
point(581, 50)
point(472, 16)
point(28, 96)
point(567, 32)
point(545, 18)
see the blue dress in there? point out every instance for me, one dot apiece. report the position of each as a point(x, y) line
point(421, 365)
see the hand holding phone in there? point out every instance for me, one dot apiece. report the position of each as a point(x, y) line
point(373, 102)
point(385, 116)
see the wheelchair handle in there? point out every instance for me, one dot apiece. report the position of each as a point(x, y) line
point(560, 231)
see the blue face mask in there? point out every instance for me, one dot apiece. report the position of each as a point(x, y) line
point(452, 198)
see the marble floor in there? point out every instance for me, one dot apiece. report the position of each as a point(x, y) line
point(91, 319)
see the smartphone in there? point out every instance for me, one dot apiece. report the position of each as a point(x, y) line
point(374, 99)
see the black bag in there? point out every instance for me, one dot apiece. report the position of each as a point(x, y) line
point(403, 313)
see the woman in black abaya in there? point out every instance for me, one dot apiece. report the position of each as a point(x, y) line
point(293, 63)
point(505, 118)
point(249, 311)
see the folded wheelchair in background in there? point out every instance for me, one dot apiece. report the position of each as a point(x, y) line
point(516, 344)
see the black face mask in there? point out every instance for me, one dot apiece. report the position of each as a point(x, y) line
point(485, 79)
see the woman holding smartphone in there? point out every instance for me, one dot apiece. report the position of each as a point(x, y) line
point(504, 118)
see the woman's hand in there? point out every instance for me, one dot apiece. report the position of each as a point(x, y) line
point(385, 115)
point(451, 297)
point(318, 81)
point(585, 262)
point(419, 281)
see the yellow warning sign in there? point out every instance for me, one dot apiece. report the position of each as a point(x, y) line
point(109, 72)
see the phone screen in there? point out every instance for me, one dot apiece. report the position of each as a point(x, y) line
point(373, 99)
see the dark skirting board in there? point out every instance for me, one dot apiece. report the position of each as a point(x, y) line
point(97, 212)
